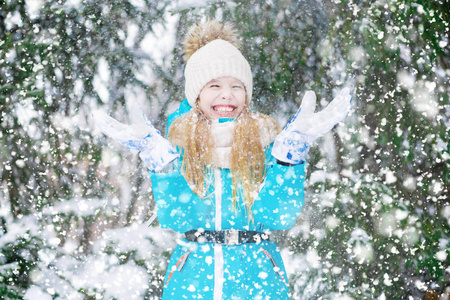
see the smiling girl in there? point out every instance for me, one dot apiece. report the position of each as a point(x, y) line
point(234, 176)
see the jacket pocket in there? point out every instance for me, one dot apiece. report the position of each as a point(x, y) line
point(275, 266)
point(179, 265)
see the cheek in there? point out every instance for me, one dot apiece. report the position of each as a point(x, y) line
point(240, 106)
point(243, 100)
point(206, 97)
point(205, 108)
point(202, 101)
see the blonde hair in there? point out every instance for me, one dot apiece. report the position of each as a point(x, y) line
point(192, 133)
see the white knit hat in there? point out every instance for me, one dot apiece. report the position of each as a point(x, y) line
point(216, 59)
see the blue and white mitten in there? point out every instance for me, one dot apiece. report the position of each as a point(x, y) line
point(156, 151)
point(293, 143)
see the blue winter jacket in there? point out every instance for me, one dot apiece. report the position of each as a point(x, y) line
point(215, 271)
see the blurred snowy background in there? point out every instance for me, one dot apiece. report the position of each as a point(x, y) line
point(75, 207)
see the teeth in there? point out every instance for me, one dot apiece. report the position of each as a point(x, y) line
point(223, 108)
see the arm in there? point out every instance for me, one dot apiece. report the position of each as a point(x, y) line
point(156, 151)
point(292, 144)
point(281, 199)
point(177, 206)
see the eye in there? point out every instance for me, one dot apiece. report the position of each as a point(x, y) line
point(214, 85)
point(237, 86)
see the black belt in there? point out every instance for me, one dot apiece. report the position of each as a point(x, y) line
point(226, 237)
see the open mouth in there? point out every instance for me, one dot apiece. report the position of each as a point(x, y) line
point(224, 108)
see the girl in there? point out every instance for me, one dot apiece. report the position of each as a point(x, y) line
point(226, 177)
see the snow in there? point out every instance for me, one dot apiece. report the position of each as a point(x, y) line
point(322, 176)
point(332, 222)
point(25, 113)
point(159, 43)
point(405, 52)
point(8, 267)
point(13, 19)
point(423, 99)
point(138, 3)
point(187, 4)
point(73, 3)
point(126, 281)
point(79, 207)
point(357, 54)
point(138, 237)
point(33, 7)
point(410, 183)
point(406, 79)
point(441, 255)
point(401, 214)
point(100, 272)
point(26, 228)
point(100, 85)
point(446, 213)
point(125, 261)
point(313, 259)
point(35, 292)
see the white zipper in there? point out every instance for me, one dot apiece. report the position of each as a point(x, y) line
point(218, 251)
point(218, 272)
point(218, 196)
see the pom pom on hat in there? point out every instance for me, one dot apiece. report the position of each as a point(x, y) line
point(211, 51)
point(201, 34)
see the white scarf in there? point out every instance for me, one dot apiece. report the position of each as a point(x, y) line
point(223, 134)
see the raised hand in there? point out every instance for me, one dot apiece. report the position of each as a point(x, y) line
point(153, 148)
point(292, 144)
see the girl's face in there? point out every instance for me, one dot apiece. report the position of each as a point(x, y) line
point(223, 97)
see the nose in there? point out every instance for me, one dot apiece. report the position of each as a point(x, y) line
point(226, 93)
